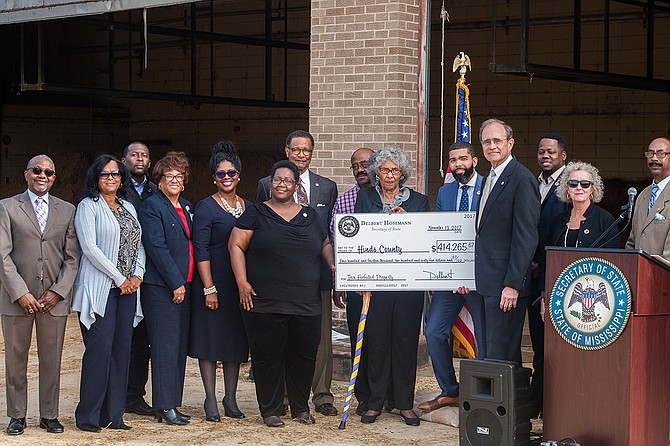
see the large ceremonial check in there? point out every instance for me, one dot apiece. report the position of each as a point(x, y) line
point(405, 251)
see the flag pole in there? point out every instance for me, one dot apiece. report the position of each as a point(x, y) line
point(355, 361)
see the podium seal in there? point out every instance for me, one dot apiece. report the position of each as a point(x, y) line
point(590, 303)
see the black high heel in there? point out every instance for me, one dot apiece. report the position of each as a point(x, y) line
point(230, 413)
point(211, 418)
point(411, 421)
point(183, 416)
point(170, 417)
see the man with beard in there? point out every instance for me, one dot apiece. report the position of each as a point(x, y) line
point(650, 231)
point(551, 156)
point(136, 158)
point(354, 302)
point(461, 195)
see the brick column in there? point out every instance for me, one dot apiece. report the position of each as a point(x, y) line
point(363, 80)
point(363, 83)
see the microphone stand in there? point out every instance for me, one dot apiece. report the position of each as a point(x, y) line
point(623, 215)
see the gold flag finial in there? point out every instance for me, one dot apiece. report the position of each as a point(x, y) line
point(462, 61)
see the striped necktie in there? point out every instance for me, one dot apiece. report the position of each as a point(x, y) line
point(652, 198)
point(41, 213)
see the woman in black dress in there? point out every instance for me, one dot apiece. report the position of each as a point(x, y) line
point(276, 250)
point(217, 330)
point(394, 318)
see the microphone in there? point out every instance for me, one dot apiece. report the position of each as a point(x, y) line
point(632, 192)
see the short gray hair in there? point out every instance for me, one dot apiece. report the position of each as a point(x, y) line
point(394, 154)
point(508, 129)
point(574, 166)
point(37, 157)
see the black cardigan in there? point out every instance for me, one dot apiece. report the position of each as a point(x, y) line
point(596, 221)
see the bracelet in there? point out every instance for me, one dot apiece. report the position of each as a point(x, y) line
point(210, 290)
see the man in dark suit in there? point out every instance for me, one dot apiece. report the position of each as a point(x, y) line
point(506, 238)
point(461, 195)
point(319, 193)
point(551, 156)
point(136, 158)
point(40, 258)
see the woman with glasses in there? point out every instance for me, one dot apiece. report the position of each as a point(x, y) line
point(584, 223)
point(105, 292)
point(166, 219)
point(217, 330)
point(276, 251)
point(394, 318)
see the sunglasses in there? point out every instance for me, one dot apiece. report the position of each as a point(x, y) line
point(222, 174)
point(38, 171)
point(106, 174)
point(574, 183)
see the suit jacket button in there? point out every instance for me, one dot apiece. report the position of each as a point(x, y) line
point(40, 259)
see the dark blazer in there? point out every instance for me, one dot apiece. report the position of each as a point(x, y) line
point(551, 208)
point(368, 201)
point(322, 196)
point(507, 234)
point(135, 198)
point(165, 241)
point(448, 194)
point(596, 221)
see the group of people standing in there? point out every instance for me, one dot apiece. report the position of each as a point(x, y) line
point(154, 278)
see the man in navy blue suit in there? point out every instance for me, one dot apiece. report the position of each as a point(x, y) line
point(461, 195)
point(506, 239)
point(551, 157)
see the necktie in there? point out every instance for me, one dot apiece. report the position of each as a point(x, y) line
point(464, 204)
point(302, 195)
point(41, 213)
point(652, 198)
point(485, 194)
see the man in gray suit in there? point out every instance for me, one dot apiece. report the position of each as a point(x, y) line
point(319, 193)
point(651, 231)
point(40, 257)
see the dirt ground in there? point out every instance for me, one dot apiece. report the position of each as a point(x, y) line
point(388, 430)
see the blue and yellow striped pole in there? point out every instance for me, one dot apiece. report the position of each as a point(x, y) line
point(357, 357)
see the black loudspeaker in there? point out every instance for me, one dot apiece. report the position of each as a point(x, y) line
point(494, 403)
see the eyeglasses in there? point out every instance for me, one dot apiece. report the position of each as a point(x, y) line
point(493, 142)
point(222, 174)
point(359, 166)
point(105, 174)
point(287, 181)
point(297, 150)
point(38, 171)
point(170, 178)
point(574, 183)
point(393, 171)
point(660, 154)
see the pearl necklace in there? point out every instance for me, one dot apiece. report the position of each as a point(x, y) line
point(236, 211)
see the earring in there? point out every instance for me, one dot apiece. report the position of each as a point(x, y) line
point(120, 185)
point(214, 182)
point(182, 188)
point(402, 177)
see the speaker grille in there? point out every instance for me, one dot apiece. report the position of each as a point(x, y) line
point(483, 428)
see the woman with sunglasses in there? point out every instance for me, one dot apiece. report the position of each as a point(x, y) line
point(106, 292)
point(217, 330)
point(276, 251)
point(584, 222)
point(166, 219)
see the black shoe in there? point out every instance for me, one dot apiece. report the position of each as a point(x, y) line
point(304, 418)
point(213, 419)
point(170, 417)
point(369, 419)
point(52, 426)
point(362, 408)
point(140, 408)
point(122, 426)
point(183, 416)
point(230, 412)
point(88, 428)
point(16, 426)
point(411, 421)
point(273, 421)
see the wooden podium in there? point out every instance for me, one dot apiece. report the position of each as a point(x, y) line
point(618, 395)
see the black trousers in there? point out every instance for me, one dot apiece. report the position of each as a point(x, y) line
point(392, 335)
point(503, 329)
point(536, 327)
point(104, 367)
point(140, 352)
point(168, 326)
point(283, 353)
point(354, 308)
